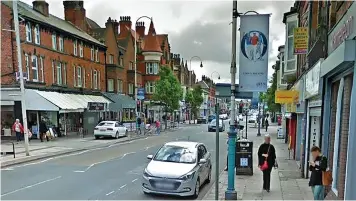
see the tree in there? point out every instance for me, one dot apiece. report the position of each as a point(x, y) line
point(194, 99)
point(168, 90)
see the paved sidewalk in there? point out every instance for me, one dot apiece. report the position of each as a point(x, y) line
point(61, 146)
point(286, 182)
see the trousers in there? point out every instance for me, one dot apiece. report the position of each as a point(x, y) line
point(318, 192)
point(267, 179)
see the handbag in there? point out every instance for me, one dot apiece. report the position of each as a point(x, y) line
point(265, 164)
point(327, 177)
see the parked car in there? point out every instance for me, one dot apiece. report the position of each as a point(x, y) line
point(211, 117)
point(212, 126)
point(252, 119)
point(178, 168)
point(110, 129)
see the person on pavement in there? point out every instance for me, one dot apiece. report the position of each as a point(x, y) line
point(158, 127)
point(18, 129)
point(318, 164)
point(266, 123)
point(266, 161)
point(139, 122)
point(43, 130)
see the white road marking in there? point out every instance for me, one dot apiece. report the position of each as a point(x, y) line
point(7, 169)
point(110, 193)
point(123, 186)
point(134, 180)
point(147, 148)
point(126, 154)
point(30, 186)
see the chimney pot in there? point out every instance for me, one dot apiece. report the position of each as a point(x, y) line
point(41, 6)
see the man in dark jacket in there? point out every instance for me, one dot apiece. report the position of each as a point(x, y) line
point(43, 130)
point(318, 164)
point(266, 152)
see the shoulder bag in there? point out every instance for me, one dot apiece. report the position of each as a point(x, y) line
point(265, 164)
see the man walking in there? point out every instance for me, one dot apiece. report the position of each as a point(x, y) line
point(266, 123)
point(139, 122)
point(43, 130)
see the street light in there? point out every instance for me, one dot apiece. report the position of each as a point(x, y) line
point(135, 62)
point(217, 146)
point(190, 74)
point(211, 84)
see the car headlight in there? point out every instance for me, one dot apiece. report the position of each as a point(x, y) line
point(188, 176)
point(146, 173)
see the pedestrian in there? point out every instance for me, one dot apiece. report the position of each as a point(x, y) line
point(266, 123)
point(18, 129)
point(158, 127)
point(266, 161)
point(318, 165)
point(43, 130)
point(139, 121)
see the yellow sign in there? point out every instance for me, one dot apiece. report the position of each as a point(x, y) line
point(300, 40)
point(291, 107)
point(286, 96)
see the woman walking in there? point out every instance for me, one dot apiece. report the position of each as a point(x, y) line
point(18, 129)
point(318, 165)
point(266, 161)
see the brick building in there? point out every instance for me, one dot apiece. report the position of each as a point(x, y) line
point(64, 67)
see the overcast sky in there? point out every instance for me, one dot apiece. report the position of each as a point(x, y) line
point(195, 28)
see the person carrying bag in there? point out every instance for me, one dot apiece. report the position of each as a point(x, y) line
point(266, 161)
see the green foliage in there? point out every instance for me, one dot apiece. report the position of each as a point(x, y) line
point(269, 96)
point(168, 90)
point(195, 99)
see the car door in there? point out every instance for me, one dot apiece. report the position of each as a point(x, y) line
point(204, 167)
point(207, 157)
point(117, 127)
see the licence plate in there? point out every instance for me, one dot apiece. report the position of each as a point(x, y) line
point(102, 130)
point(164, 185)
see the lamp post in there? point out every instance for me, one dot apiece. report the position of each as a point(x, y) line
point(230, 193)
point(190, 75)
point(135, 62)
point(217, 147)
point(211, 85)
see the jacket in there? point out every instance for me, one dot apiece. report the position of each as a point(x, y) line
point(43, 127)
point(316, 178)
point(267, 149)
point(20, 126)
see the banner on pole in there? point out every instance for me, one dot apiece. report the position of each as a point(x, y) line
point(253, 60)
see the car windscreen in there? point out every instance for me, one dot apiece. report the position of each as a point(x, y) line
point(213, 122)
point(105, 124)
point(176, 154)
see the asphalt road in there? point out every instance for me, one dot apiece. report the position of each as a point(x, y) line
point(111, 173)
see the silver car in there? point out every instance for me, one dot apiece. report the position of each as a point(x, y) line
point(178, 168)
point(212, 126)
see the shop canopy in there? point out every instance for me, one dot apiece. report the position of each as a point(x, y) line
point(36, 102)
point(120, 102)
point(71, 102)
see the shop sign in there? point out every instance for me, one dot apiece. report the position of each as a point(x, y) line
point(345, 29)
point(291, 107)
point(315, 103)
point(94, 106)
point(301, 40)
point(312, 81)
point(286, 96)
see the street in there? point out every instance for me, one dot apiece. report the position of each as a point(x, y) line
point(100, 174)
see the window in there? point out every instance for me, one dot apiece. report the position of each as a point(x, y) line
point(64, 73)
point(54, 41)
point(75, 48)
point(150, 87)
point(79, 76)
point(290, 48)
point(28, 32)
point(34, 68)
point(291, 26)
point(92, 53)
point(98, 79)
point(61, 44)
point(151, 68)
point(42, 69)
point(37, 34)
point(81, 53)
point(119, 86)
point(27, 64)
point(95, 79)
point(131, 88)
point(111, 59)
point(131, 67)
point(121, 61)
point(110, 85)
point(97, 55)
point(84, 80)
point(59, 73)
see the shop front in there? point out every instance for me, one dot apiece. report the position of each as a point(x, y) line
point(299, 101)
point(338, 76)
point(10, 109)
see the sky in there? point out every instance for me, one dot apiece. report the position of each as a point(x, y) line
point(195, 28)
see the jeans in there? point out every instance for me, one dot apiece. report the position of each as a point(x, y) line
point(158, 130)
point(18, 136)
point(318, 192)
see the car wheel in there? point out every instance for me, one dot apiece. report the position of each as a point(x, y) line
point(197, 189)
point(117, 135)
point(126, 133)
point(208, 180)
point(96, 137)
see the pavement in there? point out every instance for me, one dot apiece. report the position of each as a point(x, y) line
point(286, 182)
point(109, 172)
point(60, 146)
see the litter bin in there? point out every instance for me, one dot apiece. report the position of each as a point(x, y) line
point(244, 157)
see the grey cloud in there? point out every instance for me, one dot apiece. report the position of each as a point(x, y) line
point(176, 8)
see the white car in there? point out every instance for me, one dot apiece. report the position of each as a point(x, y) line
point(252, 119)
point(110, 129)
point(223, 116)
point(241, 118)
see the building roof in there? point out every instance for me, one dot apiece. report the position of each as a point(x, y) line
point(92, 24)
point(99, 34)
point(151, 44)
point(27, 11)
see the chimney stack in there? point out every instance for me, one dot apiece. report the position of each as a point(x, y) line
point(125, 21)
point(41, 6)
point(140, 28)
point(74, 12)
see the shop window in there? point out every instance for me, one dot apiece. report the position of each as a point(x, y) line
point(110, 85)
point(37, 34)
point(28, 32)
point(34, 68)
point(336, 154)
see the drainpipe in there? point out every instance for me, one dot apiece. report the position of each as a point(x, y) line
point(106, 74)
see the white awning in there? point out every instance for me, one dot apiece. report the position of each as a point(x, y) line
point(36, 102)
point(71, 102)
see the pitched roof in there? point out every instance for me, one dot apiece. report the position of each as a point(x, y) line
point(92, 24)
point(26, 11)
point(151, 29)
point(151, 44)
point(99, 34)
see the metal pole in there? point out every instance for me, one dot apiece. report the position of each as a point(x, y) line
point(259, 120)
point(246, 123)
point(135, 65)
point(217, 154)
point(230, 193)
point(22, 85)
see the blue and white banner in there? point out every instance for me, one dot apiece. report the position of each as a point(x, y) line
point(253, 60)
